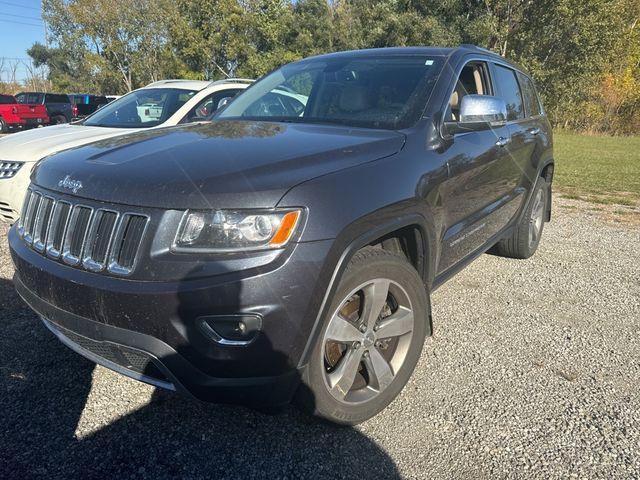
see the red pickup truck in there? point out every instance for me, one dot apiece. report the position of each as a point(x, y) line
point(14, 115)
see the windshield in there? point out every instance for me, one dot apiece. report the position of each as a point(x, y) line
point(369, 91)
point(143, 108)
point(6, 100)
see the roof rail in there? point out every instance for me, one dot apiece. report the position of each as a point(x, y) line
point(475, 47)
point(234, 80)
point(172, 80)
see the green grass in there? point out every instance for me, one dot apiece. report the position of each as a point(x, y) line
point(600, 169)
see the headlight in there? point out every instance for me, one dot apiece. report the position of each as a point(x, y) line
point(235, 230)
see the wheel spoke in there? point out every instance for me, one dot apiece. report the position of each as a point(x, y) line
point(399, 323)
point(375, 297)
point(341, 380)
point(380, 373)
point(342, 330)
point(532, 231)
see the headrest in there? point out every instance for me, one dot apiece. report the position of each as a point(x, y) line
point(354, 98)
point(455, 99)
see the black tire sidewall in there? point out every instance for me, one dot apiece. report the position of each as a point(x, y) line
point(4, 128)
point(524, 227)
point(383, 265)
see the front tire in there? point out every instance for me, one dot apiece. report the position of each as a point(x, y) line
point(4, 128)
point(370, 342)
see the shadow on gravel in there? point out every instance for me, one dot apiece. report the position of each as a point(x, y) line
point(44, 388)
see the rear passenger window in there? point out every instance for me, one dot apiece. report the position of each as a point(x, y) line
point(531, 102)
point(510, 91)
point(29, 98)
point(55, 98)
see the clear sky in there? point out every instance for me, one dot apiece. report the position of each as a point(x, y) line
point(20, 27)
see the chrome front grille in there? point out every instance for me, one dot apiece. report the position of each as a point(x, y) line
point(9, 169)
point(96, 239)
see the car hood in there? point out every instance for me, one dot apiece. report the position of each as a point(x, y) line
point(37, 143)
point(227, 164)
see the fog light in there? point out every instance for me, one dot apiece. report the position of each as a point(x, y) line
point(231, 329)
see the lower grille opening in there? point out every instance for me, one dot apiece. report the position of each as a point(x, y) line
point(128, 358)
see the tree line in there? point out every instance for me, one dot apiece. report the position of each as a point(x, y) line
point(583, 54)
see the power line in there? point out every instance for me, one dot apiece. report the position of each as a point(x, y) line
point(21, 16)
point(19, 6)
point(20, 23)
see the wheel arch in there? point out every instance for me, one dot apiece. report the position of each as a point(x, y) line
point(414, 225)
point(547, 172)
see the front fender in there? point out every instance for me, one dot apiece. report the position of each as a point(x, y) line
point(366, 203)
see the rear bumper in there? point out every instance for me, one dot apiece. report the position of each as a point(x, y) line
point(20, 123)
point(35, 121)
point(148, 359)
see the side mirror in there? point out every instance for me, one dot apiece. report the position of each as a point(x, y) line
point(224, 102)
point(479, 112)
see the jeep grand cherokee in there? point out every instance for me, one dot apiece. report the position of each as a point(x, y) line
point(287, 249)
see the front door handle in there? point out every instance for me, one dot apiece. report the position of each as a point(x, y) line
point(534, 131)
point(502, 141)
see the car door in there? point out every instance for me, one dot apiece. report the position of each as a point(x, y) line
point(530, 136)
point(524, 125)
point(479, 192)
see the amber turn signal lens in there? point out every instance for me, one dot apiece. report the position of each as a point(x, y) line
point(286, 228)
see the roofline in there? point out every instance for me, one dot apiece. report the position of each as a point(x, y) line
point(206, 83)
point(170, 80)
point(232, 80)
point(465, 48)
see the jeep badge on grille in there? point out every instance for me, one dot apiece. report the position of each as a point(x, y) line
point(68, 182)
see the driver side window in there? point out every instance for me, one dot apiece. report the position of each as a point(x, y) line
point(473, 80)
point(209, 104)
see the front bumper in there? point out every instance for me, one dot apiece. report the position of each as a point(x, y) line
point(149, 330)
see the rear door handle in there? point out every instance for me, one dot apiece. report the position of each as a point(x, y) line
point(534, 131)
point(502, 141)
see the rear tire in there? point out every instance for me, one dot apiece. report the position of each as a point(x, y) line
point(370, 342)
point(58, 119)
point(526, 236)
point(4, 128)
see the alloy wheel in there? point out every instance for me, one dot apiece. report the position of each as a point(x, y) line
point(537, 217)
point(367, 341)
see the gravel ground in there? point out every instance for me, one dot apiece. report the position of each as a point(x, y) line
point(533, 372)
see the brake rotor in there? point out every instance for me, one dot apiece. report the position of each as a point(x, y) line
point(335, 350)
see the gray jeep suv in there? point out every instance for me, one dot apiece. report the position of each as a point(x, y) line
point(287, 248)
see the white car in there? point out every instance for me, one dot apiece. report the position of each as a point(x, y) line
point(160, 104)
